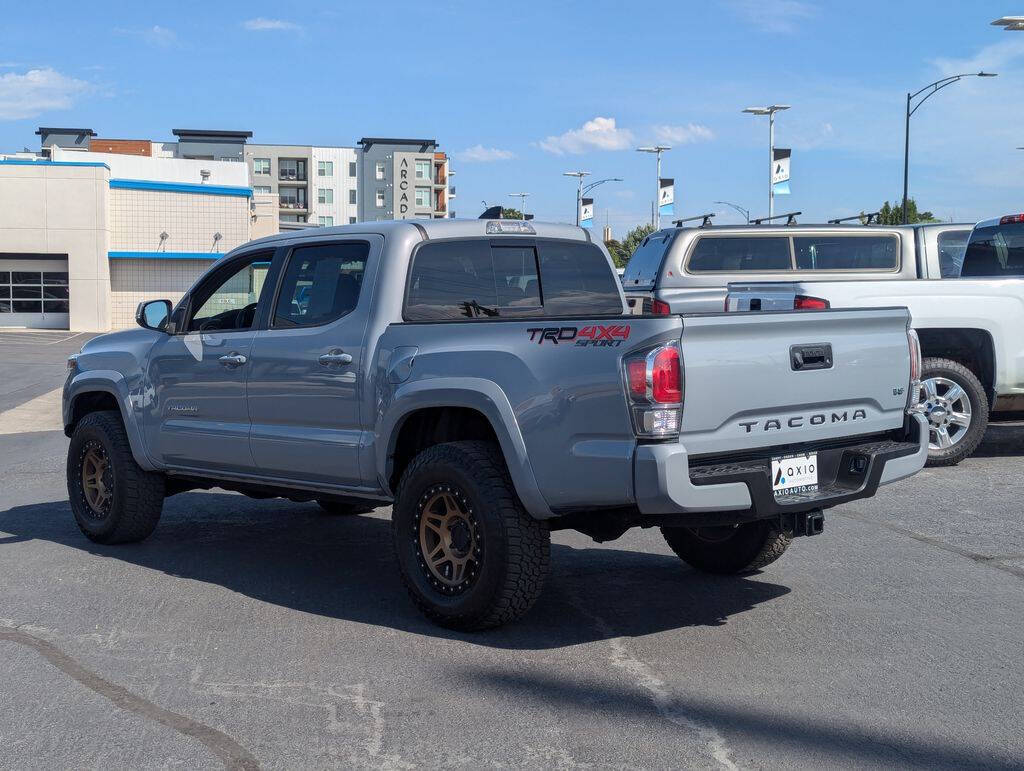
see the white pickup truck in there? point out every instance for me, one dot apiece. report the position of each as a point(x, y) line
point(971, 330)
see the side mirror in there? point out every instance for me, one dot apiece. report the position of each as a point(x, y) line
point(153, 314)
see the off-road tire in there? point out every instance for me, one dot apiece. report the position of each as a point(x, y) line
point(138, 495)
point(342, 509)
point(515, 547)
point(967, 380)
point(752, 546)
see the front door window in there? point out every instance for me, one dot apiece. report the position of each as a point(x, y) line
point(229, 302)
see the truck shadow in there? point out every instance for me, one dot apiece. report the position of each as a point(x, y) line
point(292, 555)
point(1002, 440)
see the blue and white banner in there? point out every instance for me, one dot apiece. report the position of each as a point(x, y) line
point(666, 196)
point(780, 170)
point(587, 212)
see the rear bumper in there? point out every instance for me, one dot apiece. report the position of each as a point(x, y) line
point(668, 483)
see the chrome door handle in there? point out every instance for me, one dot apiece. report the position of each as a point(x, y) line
point(335, 358)
point(233, 360)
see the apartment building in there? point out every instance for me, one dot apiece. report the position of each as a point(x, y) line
point(315, 185)
point(403, 179)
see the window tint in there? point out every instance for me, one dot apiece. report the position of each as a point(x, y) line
point(320, 284)
point(997, 250)
point(952, 245)
point(230, 303)
point(847, 252)
point(576, 279)
point(644, 264)
point(751, 254)
point(515, 276)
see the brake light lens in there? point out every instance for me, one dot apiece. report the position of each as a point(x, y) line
point(654, 385)
point(804, 303)
point(659, 308)
point(1011, 219)
point(914, 395)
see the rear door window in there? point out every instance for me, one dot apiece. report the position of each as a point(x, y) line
point(996, 251)
point(577, 279)
point(837, 252)
point(741, 254)
point(645, 264)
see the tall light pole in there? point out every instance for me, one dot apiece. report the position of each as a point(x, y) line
point(740, 209)
point(522, 199)
point(931, 88)
point(770, 111)
point(579, 189)
point(1010, 23)
point(657, 150)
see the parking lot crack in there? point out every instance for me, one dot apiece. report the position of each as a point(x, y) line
point(230, 752)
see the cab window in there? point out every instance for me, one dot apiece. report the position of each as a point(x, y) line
point(750, 254)
point(321, 283)
point(228, 301)
point(838, 252)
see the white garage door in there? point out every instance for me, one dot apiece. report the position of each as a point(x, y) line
point(34, 294)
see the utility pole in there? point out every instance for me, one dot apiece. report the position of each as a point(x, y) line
point(770, 111)
point(579, 189)
point(657, 150)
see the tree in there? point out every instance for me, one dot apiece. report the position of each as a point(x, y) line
point(619, 255)
point(634, 237)
point(511, 214)
point(892, 214)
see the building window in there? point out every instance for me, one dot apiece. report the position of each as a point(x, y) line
point(423, 197)
point(260, 165)
point(325, 195)
point(352, 196)
point(293, 168)
point(261, 189)
point(351, 168)
point(422, 169)
point(351, 220)
point(292, 197)
point(325, 168)
point(380, 199)
point(326, 222)
point(380, 170)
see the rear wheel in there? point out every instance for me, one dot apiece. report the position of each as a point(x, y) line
point(957, 410)
point(729, 548)
point(113, 499)
point(471, 557)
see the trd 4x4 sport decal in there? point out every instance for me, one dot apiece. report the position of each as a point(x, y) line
point(596, 336)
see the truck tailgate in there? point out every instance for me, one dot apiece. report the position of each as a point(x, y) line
point(763, 379)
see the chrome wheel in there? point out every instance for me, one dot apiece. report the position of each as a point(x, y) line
point(948, 409)
point(449, 540)
point(97, 479)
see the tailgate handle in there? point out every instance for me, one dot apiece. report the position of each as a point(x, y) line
point(815, 356)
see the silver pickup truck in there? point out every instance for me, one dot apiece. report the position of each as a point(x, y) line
point(485, 378)
point(970, 326)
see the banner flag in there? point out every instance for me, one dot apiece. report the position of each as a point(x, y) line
point(587, 212)
point(666, 196)
point(780, 170)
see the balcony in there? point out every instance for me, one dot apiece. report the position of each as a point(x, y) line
point(290, 204)
point(291, 175)
point(451, 191)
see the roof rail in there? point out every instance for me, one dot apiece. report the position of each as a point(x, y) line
point(705, 220)
point(866, 219)
point(790, 218)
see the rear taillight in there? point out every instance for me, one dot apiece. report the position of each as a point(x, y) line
point(659, 308)
point(1011, 219)
point(914, 343)
point(805, 303)
point(654, 384)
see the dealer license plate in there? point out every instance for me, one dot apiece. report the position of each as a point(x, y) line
point(794, 474)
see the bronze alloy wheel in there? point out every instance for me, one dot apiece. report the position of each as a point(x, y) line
point(449, 541)
point(97, 479)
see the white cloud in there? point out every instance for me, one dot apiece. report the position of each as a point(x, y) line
point(481, 154)
point(682, 135)
point(260, 24)
point(37, 91)
point(156, 35)
point(773, 15)
point(597, 134)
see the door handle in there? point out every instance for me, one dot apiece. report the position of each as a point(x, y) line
point(233, 360)
point(335, 358)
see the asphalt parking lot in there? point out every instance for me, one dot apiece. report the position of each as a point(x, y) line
point(250, 633)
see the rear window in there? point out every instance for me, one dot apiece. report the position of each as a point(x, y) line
point(995, 251)
point(740, 254)
point(847, 252)
point(476, 278)
point(952, 244)
point(645, 263)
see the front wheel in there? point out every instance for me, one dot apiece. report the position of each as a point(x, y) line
point(471, 557)
point(113, 499)
point(956, 406)
point(729, 549)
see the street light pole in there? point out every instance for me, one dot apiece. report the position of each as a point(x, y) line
point(522, 205)
point(740, 209)
point(770, 111)
point(657, 150)
point(931, 88)
point(579, 189)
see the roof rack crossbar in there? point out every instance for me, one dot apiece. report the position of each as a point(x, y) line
point(866, 219)
point(790, 218)
point(704, 218)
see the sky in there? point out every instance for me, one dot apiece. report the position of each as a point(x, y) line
point(521, 92)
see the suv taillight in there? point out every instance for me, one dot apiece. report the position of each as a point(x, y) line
point(914, 343)
point(654, 384)
point(1011, 219)
point(659, 308)
point(805, 303)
